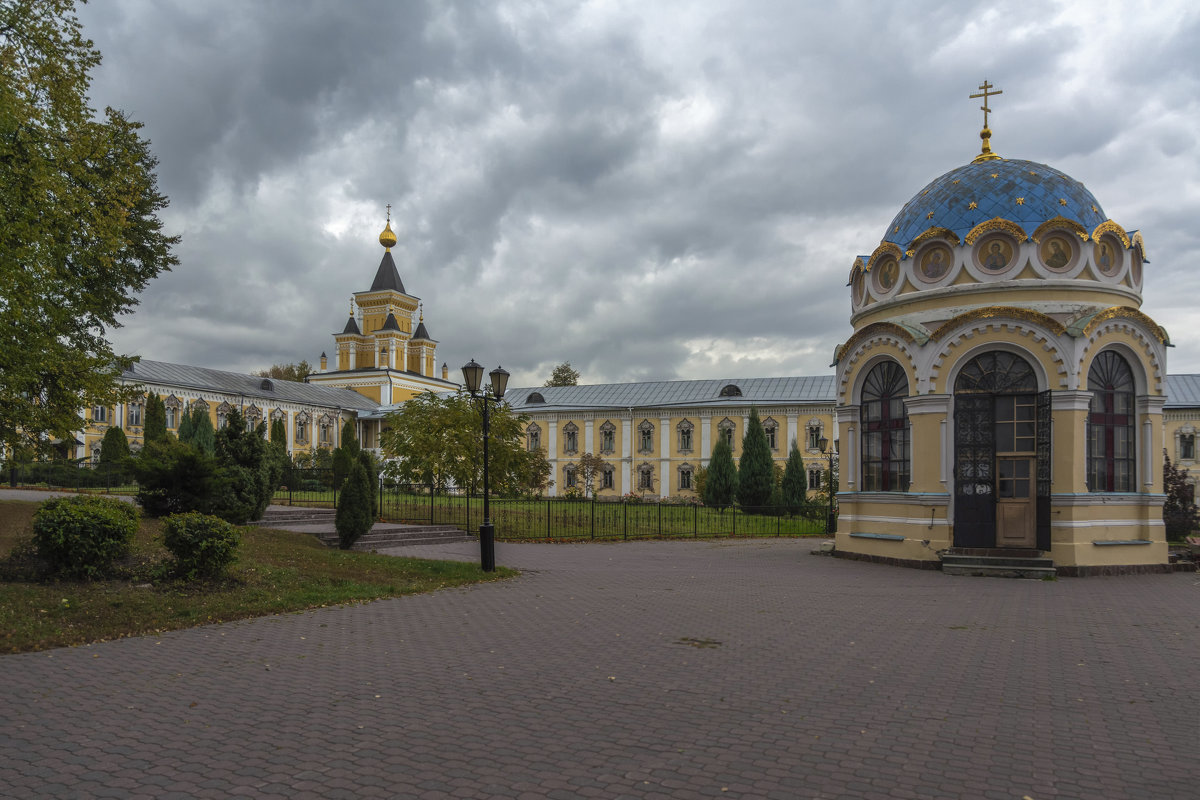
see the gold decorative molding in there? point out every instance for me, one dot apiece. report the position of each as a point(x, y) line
point(1124, 312)
point(1059, 223)
point(1108, 226)
point(932, 233)
point(884, 249)
point(1140, 244)
point(996, 224)
point(1001, 312)
point(874, 329)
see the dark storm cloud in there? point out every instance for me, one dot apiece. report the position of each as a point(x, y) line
point(649, 190)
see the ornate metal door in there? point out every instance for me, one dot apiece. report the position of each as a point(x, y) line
point(974, 466)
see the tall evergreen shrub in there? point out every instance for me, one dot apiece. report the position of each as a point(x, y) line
point(353, 518)
point(155, 429)
point(795, 482)
point(720, 484)
point(756, 468)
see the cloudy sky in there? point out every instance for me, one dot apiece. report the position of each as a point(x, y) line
point(650, 190)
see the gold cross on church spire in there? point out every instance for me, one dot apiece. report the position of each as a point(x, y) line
point(986, 91)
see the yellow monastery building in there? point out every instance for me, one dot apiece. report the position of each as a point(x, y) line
point(1002, 393)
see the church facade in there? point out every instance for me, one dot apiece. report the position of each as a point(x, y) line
point(1002, 390)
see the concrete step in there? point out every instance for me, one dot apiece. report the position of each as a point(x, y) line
point(998, 566)
point(402, 536)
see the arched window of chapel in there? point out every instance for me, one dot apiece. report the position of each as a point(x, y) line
point(885, 456)
point(1111, 448)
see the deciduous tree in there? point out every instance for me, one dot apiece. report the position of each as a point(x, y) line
point(1179, 511)
point(79, 229)
point(438, 440)
point(287, 372)
point(563, 375)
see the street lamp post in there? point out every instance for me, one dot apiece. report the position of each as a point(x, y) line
point(473, 377)
point(830, 520)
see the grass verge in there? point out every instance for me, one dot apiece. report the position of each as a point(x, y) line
point(276, 572)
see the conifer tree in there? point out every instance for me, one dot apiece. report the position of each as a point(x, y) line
point(279, 433)
point(756, 468)
point(156, 419)
point(187, 431)
point(114, 447)
point(795, 481)
point(720, 484)
point(354, 508)
point(204, 436)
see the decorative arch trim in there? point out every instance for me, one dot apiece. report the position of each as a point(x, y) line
point(996, 224)
point(1124, 312)
point(884, 249)
point(932, 233)
point(1139, 244)
point(1108, 226)
point(873, 330)
point(1060, 223)
point(1000, 312)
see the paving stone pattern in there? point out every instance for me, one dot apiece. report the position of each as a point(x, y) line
point(731, 669)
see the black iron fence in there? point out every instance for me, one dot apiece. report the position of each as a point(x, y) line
point(577, 519)
point(109, 478)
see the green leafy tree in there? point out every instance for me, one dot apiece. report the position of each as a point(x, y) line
point(354, 507)
point(756, 468)
point(794, 488)
point(287, 372)
point(156, 419)
point(590, 465)
point(1180, 515)
point(79, 231)
point(437, 440)
point(721, 479)
point(563, 375)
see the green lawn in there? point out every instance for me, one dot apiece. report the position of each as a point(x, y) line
point(277, 572)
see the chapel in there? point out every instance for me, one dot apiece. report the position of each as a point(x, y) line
point(1001, 395)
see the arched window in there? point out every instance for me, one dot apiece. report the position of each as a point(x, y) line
point(646, 437)
point(608, 437)
point(570, 438)
point(885, 429)
point(1110, 458)
point(534, 435)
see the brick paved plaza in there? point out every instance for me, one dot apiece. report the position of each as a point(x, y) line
point(743, 669)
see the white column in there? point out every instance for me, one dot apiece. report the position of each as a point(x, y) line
point(626, 453)
point(552, 454)
point(664, 460)
point(705, 438)
point(353, 354)
point(846, 417)
point(792, 431)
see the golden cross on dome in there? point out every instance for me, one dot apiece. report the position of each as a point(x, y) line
point(985, 92)
point(389, 212)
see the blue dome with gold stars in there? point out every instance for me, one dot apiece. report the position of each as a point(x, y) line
point(1023, 192)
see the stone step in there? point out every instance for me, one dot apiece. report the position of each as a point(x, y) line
point(403, 536)
point(998, 566)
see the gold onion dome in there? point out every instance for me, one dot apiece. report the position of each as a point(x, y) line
point(388, 238)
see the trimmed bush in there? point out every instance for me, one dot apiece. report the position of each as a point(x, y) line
point(81, 537)
point(174, 477)
point(204, 546)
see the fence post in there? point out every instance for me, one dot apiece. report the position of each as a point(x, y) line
point(593, 516)
point(660, 520)
point(625, 519)
point(733, 511)
point(548, 512)
point(695, 522)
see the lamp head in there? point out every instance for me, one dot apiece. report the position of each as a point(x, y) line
point(472, 376)
point(499, 378)
point(822, 443)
